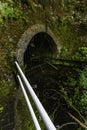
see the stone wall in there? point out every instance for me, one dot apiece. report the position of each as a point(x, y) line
point(28, 35)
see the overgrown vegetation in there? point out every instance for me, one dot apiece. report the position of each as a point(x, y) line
point(76, 95)
point(66, 19)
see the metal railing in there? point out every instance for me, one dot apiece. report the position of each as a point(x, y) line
point(47, 121)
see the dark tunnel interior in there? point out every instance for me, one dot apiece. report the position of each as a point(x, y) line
point(41, 45)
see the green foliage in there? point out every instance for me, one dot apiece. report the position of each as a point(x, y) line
point(80, 54)
point(11, 12)
point(75, 11)
point(71, 82)
point(83, 78)
point(83, 91)
point(6, 11)
point(77, 54)
point(79, 84)
point(76, 94)
point(64, 52)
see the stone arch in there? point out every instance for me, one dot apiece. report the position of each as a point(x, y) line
point(27, 37)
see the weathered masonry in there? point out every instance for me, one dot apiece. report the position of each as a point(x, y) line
point(39, 40)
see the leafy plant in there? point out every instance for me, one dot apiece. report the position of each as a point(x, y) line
point(10, 11)
point(83, 91)
point(81, 54)
point(6, 11)
point(64, 52)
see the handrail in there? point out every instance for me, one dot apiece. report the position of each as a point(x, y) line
point(47, 121)
point(37, 126)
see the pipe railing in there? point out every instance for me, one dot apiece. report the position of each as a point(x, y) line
point(46, 119)
point(37, 126)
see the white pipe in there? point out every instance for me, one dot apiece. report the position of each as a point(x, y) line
point(47, 121)
point(37, 126)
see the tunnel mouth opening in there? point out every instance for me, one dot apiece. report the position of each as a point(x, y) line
point(41, 46)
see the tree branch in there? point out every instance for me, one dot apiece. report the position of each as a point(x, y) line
point(78, 121)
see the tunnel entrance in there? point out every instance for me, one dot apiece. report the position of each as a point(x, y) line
point(37, 51)
point(41, 46)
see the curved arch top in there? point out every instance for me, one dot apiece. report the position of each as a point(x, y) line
point(28, 35)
